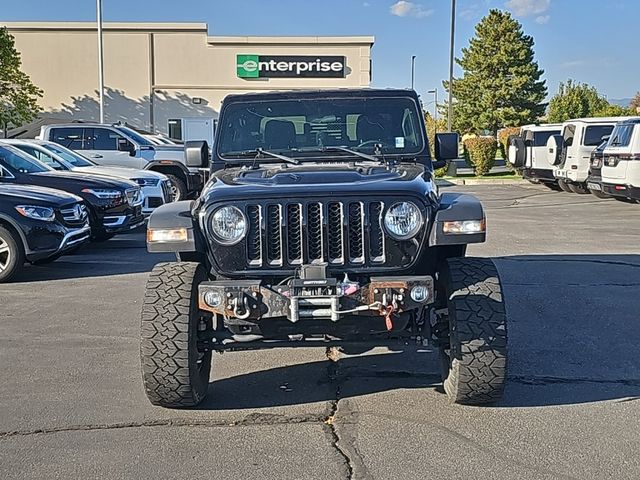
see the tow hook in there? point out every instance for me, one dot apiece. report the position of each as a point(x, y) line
point(240, 311)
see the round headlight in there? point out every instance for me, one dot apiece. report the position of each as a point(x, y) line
point(228, 225)
point(403, 220)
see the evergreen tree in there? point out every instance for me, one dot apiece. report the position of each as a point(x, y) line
point(18, 96)
point(501, 85)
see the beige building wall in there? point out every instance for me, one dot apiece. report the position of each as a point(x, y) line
point(153, 72)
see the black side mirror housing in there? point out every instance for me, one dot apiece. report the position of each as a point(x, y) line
point(196, 153)
point(446, 148)
point(125, 145)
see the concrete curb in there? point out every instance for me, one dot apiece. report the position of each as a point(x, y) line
point(476, 181)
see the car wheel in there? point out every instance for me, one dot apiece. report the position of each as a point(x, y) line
point(564, 186)
point(475, 360)
point(578, 188)
point(599, 194)
point(11, 254)
point(178, 188)
point(175, 370)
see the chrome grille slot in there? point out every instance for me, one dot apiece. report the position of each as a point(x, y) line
point(356, 232)
point(254, 236)
point(335, 237)
point(376, 237)
point(274, 234)
point(315, 233)
point(75, 215)
point(294, 233)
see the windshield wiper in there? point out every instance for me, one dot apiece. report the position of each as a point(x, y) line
point(351, 152)
point(260, 153)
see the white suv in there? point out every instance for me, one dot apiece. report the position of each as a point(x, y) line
point(121, 146)
point(570, 152)
point(528, 153)
point(621, 161)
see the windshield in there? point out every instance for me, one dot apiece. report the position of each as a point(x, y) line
point(71, 157)
point(300, 127)
point(16, 161)
point(135, 136)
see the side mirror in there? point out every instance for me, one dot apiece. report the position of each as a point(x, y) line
point(446, 147)
point(605, 138)
point(196, 154)
point(125, 145)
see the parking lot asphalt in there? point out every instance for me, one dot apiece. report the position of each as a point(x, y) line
point(72, 404)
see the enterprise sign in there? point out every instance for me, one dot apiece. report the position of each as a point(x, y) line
point(288, 66)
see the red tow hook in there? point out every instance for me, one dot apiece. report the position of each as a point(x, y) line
point(387, 317)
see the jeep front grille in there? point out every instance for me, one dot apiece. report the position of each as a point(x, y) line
point(296, 233)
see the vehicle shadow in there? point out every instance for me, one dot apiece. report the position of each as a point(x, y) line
point(123, 254)
point(573, 333)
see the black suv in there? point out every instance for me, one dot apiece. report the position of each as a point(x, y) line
point(322, 225)
point(114, 205)
point(38, 225)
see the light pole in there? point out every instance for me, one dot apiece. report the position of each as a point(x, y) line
point(451, 47)
point(100, 59)
point(435, 108)
point(413, 71)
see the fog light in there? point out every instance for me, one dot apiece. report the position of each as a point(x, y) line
point(213, 298)
point(464, 226)
point(167, 235)
point(419, 294)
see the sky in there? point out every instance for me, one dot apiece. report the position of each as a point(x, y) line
point(591, 41)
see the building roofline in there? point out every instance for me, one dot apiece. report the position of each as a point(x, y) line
point(120, 26)
point(288, 40)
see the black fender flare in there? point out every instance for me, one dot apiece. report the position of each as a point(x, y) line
point(456, 207)
point(173, 216)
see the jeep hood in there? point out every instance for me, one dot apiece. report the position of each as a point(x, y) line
point(317, 179)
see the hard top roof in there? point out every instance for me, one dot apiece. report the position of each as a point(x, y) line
point(320, 94)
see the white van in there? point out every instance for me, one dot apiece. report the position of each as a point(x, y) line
point(570, 152)
point(529, 153)
point(621, 161)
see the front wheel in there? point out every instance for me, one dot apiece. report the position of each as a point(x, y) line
point(175, 370)
point(475, 359)
point(178, 188)
point(578, 188)
point(11, 254)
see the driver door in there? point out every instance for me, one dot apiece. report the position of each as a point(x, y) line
point(108, 147)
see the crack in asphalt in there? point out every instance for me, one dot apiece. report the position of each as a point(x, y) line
point(251, 420)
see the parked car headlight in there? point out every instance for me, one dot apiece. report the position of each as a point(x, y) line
point(228, 225)
point(403, 220)
point(147, 182)
point(104, 193)
point(134, 197)
point(37, 213)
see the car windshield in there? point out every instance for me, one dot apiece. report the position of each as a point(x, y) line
point(17, 161)
point(69, 156)
point(135, 136)
point(304, 128)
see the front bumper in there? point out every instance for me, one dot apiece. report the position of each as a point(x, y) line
point(318, 299)
point(54, 239)
point(123, 222)
point(152, 198)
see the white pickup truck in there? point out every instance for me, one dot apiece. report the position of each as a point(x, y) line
point(122, 146)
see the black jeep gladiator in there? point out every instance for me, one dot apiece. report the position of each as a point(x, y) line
point(321, 225)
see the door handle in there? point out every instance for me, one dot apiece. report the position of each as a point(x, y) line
point(96, 155)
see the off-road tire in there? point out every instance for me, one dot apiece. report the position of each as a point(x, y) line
point(12, 255)
point(599, 194)
point(174, 372)
point(475, 364)
point(564, 186)
point(178, 188)
point(579, 189)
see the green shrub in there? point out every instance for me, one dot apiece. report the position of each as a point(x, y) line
point(480, 153)
point(503, 139)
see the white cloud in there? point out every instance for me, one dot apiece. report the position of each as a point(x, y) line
point(525, 8)
point(542, 19)
point(402, 8)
